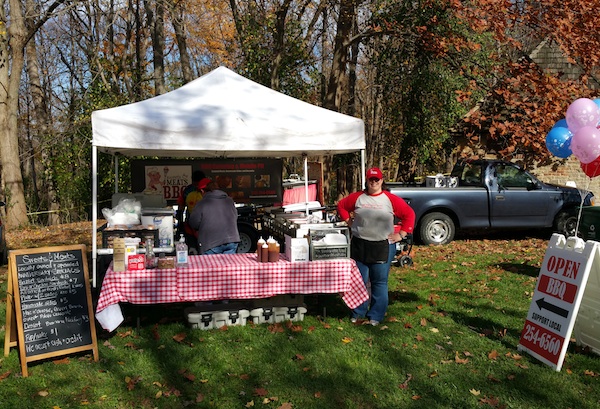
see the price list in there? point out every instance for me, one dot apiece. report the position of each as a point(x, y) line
point(54, 302)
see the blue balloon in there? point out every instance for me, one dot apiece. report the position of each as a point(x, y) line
point(561, 123)
point(597, 101)
point(558, 142)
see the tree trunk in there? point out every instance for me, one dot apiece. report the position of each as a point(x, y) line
point(177, 18)
point(156, 21)
point(337, 79)
point(13, 41)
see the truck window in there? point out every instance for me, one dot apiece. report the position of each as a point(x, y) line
point(510, 176)
point(471, 175)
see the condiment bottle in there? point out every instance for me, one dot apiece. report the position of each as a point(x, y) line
point(274, 251)
point(150, 256)
point(259, 245)
point(264, 253)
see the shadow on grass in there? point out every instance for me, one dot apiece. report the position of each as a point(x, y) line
point(522, 269)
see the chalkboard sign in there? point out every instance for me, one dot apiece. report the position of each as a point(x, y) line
point(329, 252)
point(52, 299)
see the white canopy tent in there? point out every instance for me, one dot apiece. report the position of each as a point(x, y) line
point(221, 115)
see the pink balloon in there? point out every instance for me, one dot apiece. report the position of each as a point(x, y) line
point(585, 144)
point(582, 112)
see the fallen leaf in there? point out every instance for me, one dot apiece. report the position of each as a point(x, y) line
point(299, 357)
point(124, 334)
point(250, 404)
point(61, 361)
point(155, 333)
point(5, 375)
point(419, 337)
point(317, 395)
point(286, 405)
point(495, 380)
point(179, 337)
point(346, 340)
point(590, 373)
point(434, 330)
point(43, 393)
point(415, 397)
point(408, 325)
point(433, 374)
point(493, 355)
point(404, 385)
point(475, 392)
point(131, 345)
point(260, 392)
point(460, 360)
point(493, 402)
point(275, 328)
point(199, 398)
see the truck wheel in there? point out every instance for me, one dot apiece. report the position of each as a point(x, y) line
point(248, 239)
point(437, 228)
point(566, 224)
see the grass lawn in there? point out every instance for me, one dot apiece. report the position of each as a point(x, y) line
point(449, 341)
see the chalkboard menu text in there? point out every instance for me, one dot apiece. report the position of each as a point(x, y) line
point(52, 299)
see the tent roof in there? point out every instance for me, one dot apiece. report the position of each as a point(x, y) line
point(223, 114)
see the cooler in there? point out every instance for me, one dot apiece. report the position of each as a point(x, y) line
point(162, 220)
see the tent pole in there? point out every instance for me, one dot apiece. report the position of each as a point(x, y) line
point(363, 169)
point(305, 181)
point(116, 160)
point(94, 211)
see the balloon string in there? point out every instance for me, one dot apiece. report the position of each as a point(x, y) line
point(582, 194)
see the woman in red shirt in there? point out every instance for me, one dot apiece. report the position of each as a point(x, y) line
point(370, 215)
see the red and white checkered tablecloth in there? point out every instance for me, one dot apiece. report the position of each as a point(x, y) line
point(233, 276)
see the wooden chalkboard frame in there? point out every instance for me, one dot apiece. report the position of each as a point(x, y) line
point(69, 289)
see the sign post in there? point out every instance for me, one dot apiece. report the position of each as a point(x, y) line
point(50, 303)
point(557, 297)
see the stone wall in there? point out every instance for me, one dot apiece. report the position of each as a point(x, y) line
point(569, 172)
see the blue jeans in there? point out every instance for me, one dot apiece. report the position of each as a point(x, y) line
point(227, 248)
point(377, 275)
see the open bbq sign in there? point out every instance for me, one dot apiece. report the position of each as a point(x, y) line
point(558, 293)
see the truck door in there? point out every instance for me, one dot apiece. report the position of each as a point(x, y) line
point(516, 199)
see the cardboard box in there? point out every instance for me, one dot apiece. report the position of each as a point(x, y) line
point(136, 262)
point(296, 249)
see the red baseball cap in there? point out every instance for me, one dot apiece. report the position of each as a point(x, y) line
point(374, 173)
point(203, 183)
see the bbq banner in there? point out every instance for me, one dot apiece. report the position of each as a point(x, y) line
point(257, 181)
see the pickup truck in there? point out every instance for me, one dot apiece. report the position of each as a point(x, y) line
point(491, 194)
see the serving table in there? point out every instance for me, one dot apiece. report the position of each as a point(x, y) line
point(224, 277)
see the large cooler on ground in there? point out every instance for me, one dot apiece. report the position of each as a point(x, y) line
point(589, 225)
